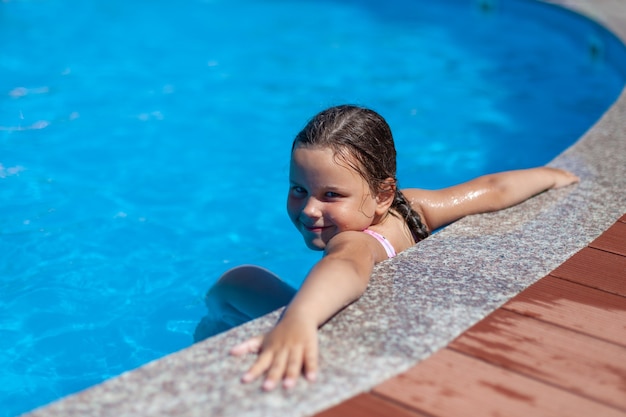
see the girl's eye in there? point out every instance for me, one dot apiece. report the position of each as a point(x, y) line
point(332, 194)
point(296, 189)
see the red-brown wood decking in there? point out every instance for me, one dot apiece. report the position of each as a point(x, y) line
point(556, 349)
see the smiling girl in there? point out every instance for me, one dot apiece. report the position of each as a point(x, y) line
point(345, 201)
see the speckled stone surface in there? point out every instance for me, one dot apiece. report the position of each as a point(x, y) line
point(416, 303)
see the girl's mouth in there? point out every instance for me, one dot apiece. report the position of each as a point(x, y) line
point(314, 228)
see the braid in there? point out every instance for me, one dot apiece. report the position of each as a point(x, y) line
point(411, 217)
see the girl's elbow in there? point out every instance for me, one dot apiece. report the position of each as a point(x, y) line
point(497, 191)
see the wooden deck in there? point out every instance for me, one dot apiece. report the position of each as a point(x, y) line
point(556, 349)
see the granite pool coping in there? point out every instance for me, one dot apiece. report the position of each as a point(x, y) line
point(416, 303)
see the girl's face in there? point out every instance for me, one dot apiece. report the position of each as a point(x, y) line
point(327, 196)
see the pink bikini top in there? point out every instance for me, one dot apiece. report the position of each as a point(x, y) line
point(391, 252)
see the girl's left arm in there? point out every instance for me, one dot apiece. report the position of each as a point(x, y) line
point(337, 280)
point(484, 194)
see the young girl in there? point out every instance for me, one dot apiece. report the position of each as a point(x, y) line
point(344, 200)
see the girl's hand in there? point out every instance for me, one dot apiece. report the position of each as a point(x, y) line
point(284, 353)
point(291, 347)
point(561, 177)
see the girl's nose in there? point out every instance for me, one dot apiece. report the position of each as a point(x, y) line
point(312, 208)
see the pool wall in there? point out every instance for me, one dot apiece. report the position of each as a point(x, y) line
point(416, 303)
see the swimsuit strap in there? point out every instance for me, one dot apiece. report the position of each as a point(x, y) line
point(391, 252)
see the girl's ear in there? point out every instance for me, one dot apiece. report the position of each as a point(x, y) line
point(385, 196)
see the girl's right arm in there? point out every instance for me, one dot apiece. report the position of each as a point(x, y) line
point(338, 279)
point(485, 194)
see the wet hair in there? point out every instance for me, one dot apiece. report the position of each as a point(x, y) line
point(362, 139)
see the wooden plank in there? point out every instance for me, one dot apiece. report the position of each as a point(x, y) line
point(623, 218)
point(368, 405)
point(584, 365)
point(453, 384)
point(613, 239)
point(597, 269)
point(574, 306)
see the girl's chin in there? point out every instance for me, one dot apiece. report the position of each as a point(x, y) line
point(319, 246)
point(313, 240)
point(315, 243)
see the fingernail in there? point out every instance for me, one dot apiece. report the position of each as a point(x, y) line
point(246, 378)
point(311, 376)
point(289, 383)
point(268, 385)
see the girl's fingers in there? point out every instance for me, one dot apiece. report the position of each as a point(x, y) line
point(279, 361)
point(276, 370)
point(310, 362)
point(252, 345)
point(293, 369)
point(262, 364)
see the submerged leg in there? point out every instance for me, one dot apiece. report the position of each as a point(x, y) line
point(240, 295)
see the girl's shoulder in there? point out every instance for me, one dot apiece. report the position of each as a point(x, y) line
point(418, 199)
point(438, 208)
point(355, 245)
point(394, 230)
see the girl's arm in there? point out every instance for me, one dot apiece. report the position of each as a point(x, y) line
point(484, 194)
point(338, 279)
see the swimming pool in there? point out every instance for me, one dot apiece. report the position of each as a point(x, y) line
point(132, 137)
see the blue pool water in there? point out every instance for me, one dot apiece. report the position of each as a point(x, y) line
point(144, 147)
